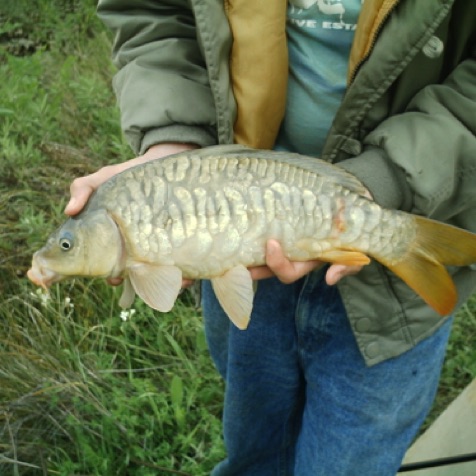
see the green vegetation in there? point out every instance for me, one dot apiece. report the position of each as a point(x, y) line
point(82, 390)
point(85, 390)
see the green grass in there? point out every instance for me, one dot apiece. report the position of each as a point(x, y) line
point(82, 391)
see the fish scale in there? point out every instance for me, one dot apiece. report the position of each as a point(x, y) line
point(231, 208)
point(209, 213)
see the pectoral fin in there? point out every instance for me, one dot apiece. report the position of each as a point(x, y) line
point(234, 291)
point(157, 286)
point(128, 294)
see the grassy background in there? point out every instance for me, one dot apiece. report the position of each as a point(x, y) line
point(82, 390)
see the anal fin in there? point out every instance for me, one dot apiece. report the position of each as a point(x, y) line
point(348, 258)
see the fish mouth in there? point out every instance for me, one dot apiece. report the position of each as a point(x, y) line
point(41, 275)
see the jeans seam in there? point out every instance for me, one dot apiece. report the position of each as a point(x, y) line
point(299, 319)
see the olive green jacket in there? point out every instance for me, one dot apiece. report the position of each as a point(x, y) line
point(215, 71)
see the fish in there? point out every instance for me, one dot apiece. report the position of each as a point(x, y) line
point(208, 213)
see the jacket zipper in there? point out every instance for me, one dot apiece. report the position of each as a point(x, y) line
point(374, 40)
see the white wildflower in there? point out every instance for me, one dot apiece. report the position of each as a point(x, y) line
point(125, 315)
point(43, 296)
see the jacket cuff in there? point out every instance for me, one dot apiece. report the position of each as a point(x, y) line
point(141, 142)
point(385, 181)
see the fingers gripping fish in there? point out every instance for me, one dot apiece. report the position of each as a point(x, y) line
point(207, 214)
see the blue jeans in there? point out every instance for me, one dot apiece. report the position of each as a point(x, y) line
point(299, 399)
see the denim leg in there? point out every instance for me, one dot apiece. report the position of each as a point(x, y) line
point(299, 398)
point(264, 391)
point(217, 328)
point(358, 420)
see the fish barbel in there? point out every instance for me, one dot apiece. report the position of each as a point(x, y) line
point(207, 214)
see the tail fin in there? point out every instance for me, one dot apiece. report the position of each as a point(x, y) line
point(436, 245)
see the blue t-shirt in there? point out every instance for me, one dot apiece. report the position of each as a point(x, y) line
point(320, 35)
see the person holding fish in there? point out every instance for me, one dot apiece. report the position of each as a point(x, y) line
point(339, 364)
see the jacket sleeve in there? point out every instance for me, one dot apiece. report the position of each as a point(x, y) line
point(162, 84)
point(424, 160)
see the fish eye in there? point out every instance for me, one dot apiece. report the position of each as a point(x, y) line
point(66, 242)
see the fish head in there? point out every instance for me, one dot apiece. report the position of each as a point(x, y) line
point(87, 245)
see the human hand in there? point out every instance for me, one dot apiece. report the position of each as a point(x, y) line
point(277, 264)
point(82, 187)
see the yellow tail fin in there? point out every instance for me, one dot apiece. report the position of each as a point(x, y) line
point(436, 245)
